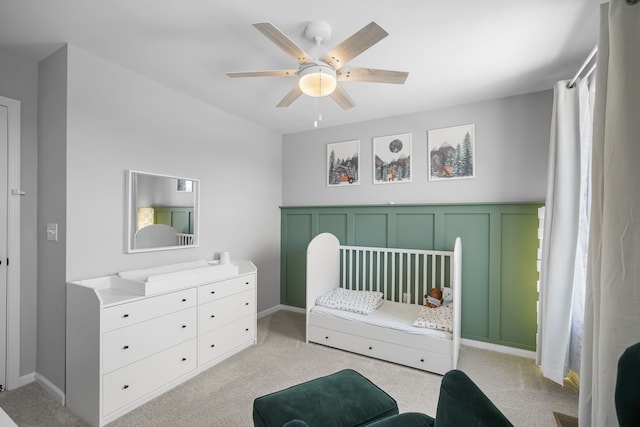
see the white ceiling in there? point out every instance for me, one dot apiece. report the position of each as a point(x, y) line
point(456, 52)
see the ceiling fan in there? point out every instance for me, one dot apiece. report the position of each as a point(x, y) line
point(321, 76)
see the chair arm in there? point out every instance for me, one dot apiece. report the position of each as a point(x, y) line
point(462, 403)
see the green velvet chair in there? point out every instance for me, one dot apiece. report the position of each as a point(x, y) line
point(627, 394)
point(322, 402)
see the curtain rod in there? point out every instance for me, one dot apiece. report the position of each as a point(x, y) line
point(572, 83)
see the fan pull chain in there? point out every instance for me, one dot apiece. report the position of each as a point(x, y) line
point(318, 114)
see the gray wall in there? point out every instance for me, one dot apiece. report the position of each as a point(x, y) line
point(19, 80)
point(118, 120)
point(512, 139)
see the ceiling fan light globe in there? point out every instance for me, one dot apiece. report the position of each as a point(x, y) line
point(318, 80)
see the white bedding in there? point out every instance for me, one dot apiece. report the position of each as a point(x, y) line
point(390, 314)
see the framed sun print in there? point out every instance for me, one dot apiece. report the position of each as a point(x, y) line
point(451, 153)
point(342, 163)
point(392, 159)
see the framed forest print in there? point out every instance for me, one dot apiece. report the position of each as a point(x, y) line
point(451, 153)
point(342, 163)
point(392, 159)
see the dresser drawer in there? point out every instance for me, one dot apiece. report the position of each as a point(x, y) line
point(123, 315)
point(126, 345)
point(225, 288)
point(222, 311)
point(134, 381)
point(222, 340)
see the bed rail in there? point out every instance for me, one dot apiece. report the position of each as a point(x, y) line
point(402, 275)
point(185, 239)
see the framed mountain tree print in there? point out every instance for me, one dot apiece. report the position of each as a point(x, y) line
point(392, 159)
point(451, 153)
point(342, 163)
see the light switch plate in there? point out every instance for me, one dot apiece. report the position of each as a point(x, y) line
point(52, 232)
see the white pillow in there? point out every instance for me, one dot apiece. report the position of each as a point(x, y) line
point(363, 302)
point(440, 318)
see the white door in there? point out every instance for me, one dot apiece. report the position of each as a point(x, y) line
point(4, 165)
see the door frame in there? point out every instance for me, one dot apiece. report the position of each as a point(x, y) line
point(13, 242)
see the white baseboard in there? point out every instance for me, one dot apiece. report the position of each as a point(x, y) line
point(27, 379)
point(50, 388)
point(498, 348)
point(279, 307)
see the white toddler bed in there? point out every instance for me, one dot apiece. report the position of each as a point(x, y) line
point(402, 276)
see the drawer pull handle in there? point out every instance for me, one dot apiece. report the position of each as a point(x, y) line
point(246, 283)
point(125, 347)
point(326, 338)
point(246, 303)
point(184, 300)
point(184, 359)
point(125, 315)
point(184, 326)
point(422, 360)
point(370, 348)
point(213, 292)
point(246, 329)
point(213, 345)
point(126, 386)
point(213, 315)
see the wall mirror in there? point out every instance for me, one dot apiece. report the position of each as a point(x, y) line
point(162, 212)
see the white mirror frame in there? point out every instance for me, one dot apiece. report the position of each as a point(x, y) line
point(132, 214)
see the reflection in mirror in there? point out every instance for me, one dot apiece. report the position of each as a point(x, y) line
point(162, 212)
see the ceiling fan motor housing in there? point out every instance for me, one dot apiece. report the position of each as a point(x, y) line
point(317, 32)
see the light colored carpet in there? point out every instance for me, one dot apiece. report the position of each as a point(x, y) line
point(224, 394)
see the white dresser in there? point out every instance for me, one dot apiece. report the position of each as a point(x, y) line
point(131, 337)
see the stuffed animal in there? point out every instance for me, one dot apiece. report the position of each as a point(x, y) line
point(434, 299)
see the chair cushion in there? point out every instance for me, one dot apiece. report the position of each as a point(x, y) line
point(343, 399)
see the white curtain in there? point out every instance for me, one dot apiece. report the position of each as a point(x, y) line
point(562, 274)
point(612, 305)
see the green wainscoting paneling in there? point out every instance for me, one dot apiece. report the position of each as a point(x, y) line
point(180, 218)
point(499, 246)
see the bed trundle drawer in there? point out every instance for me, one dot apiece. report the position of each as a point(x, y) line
point(216, 343)
point(134, 381)
point(409, 356)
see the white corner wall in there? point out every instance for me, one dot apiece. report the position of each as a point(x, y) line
point(119, 120)
point(512, 140)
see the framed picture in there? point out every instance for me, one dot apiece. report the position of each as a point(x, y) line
point(451, 153)
point(342, 163)
point(392, 159)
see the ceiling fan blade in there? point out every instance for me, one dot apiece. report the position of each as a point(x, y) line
point(290, 97)
point(283, 42)
point(342, 98)
point(271, 73)
point(371, 34)
point(372, 75)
